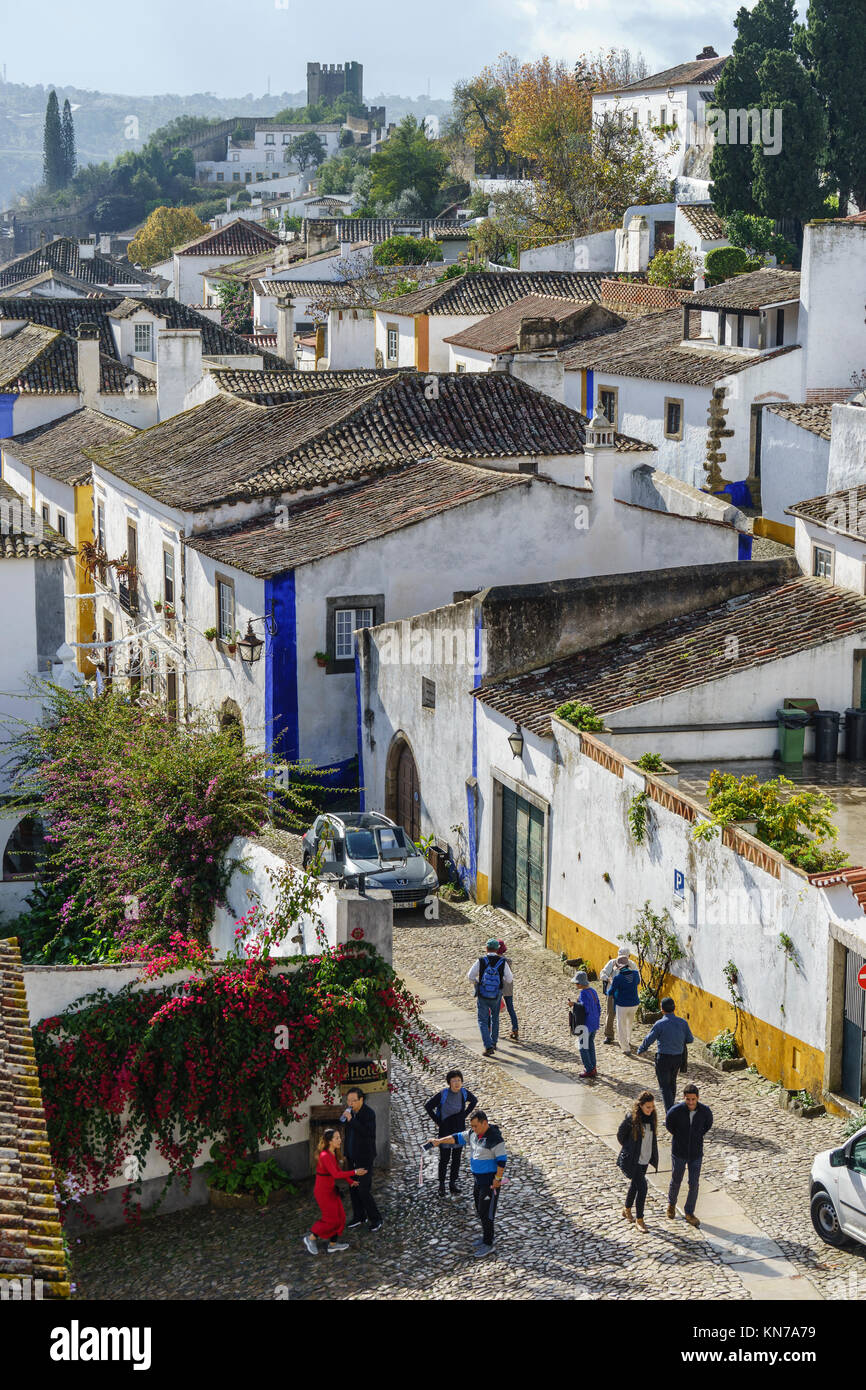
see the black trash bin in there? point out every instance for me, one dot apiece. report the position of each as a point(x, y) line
point(826, 723)
point(855, 735)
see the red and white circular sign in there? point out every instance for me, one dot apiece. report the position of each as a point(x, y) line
point(358, 933)
point(861, 977)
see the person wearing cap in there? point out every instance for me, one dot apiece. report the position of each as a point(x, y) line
point(624, 987)
point(489, 974)
point(672, 1035)
point(613, 967)
point(585, 1032)
point(508, 998)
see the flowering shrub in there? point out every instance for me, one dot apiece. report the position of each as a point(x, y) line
point(138, 810)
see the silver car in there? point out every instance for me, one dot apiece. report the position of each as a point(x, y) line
point(368, 846)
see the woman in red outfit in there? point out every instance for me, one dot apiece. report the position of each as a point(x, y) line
point(328, 1174)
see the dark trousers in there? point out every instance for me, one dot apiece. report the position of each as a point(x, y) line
point(363, 1206)
point(609, 1017)
point(447, 1156)
point(678, 1168)
point(509, 1004)
point(636, 1195)
point(486, 1199)
point(667, 1071)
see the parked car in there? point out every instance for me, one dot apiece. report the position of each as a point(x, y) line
point(365, 843)
point(837, 1192)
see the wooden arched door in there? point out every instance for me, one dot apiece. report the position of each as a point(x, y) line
point(408, 807)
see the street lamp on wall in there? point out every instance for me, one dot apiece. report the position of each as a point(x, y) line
point(250, 646)
point(515, 743)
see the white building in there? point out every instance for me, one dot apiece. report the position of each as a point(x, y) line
point(236, 241)
point(266, 155)
point(75, 266)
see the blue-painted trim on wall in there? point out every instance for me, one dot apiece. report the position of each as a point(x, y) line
point(744, 547)
point(7, 411)
point(470, 793)
point(281, 669)
point(590, 390)
point(361, 801)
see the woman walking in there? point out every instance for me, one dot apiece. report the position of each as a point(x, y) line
point(508, 997)
point(588, 1001)
point(328, 1174)
point(640, 1150)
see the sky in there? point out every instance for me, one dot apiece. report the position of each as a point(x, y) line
point(231, 47)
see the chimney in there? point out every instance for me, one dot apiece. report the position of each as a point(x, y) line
point(89, 380)
point(178, 368)
point(599, 440)
point(286, 330)
point(709, 52)
point(86, 249)
point(105, 243)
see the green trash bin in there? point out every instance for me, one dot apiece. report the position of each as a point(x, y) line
point(792, 733)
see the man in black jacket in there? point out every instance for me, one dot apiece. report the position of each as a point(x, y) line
point(448, 1109)
point(688, 1122)
point(360, 1146)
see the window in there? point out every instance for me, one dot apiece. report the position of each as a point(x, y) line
point(46, 514)
point(25, 849)
point(168, 574)
point(225, 610)
point(236, 178)
point(108, 637)
point(153, 670)
point(235, 157)
point(858, 1156)
point(822, 562)
point(171, 691)
point(269, 140)
point(142, 337)
point(344, 616)
point(61, 524)
point(461, 366)
point(740, 324)
point(269, 158)
point(100, 525)
point(393, 342)
point(673, 419)
point(780, 327)
point(635, 117)
point(287, 139)
point(134, 671)
point(428, 693)
point(607, 403)
point(347, 619)
point(248, 178)
point(663, 115)
point(220, 178)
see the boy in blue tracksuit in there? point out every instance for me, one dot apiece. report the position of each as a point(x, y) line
point(487, 1159)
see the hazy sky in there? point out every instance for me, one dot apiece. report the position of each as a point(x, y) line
point(231, 47)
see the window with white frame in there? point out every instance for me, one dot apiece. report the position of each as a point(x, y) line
point(225, 610)
point(822, 562)
point(100, 525)
point(269, 140)
point(393, 342)
point(269, 158)
point(607, 403)
point(346, 621)
point(168, 573)
point(142, 337)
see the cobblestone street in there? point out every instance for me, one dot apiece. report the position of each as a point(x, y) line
point(560, 1230)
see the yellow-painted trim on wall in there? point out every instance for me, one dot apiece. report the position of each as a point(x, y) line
point(422, 343)
point(83, 503)
point(774, 530)
point(482, 888)
point(795, 1064)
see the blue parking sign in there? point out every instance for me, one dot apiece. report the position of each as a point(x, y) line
point(679, 883)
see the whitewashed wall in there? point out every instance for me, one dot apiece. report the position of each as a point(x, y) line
point(847, 465)
point(848, 552)
point(351, 339)
point(832, 321)
point(794, 465)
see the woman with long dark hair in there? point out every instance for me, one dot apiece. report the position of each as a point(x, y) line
point(639, 1151)
point(328, 1173)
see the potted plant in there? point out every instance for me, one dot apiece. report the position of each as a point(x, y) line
point(578, 963)
point(649, 1011)
point(802, 1103)
point(655, 765)
point(210, 633)
point(723, 1053)
point(232, 644)
point(169, 610)
point(321, 658)
point(157, 604)
point(245, 1183)
point(580, 716)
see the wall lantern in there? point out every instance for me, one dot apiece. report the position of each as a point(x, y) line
point(250, 646)
point(515, 743)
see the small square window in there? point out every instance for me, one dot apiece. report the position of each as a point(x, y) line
point(822, 563)
point(220, 178)
point(428, 693)
point(236, 178)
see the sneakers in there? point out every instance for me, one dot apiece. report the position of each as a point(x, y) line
point(692, 1220)
point(353, 1225)
point(482, 1251)
point(489, 1051)
point(626, 1211)
point(377, 1227)
point(310, 1243)
point(441, 1191)
point(608, 1042)
point(672, 1211)
point(641, 1224)
point(336, 1245)
point(588, 1075)
point(515, 1037)
point(454, 1189)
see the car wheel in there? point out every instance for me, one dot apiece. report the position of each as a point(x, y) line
point(825, 1220)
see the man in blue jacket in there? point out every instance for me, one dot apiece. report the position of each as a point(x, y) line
point(624, 987)
point(688, 1122)
point(671, 1034)
point(487, 1159)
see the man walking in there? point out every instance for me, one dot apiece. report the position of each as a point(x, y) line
point(489, 974)
point(360, 1122)
point(487, 1159)
point(671, 1034)
point(688, 1122)
point(448, 1109)
point(613, 967)
point(624, 987)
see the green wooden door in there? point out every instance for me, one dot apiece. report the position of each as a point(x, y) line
point(522, 856)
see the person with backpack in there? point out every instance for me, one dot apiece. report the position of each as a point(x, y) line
point(487, 1158)
point(624, 987)
point(639, 1150)
point(448, 1109)
point(672, 1034)
point(508, 998)
point(613, 967)
point(489, 974)
point(586, 1016)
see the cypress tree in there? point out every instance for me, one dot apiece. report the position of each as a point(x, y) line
point(833, 48)
point(788, 184)
point(53, 163)
point(68, 130)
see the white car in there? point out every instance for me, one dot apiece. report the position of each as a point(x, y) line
point(838, 1192)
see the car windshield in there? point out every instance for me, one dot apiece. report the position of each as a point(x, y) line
point(394, 842)
point(361, 844)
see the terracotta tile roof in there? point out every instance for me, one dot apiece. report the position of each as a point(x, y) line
point(20, 350)
point(24, 536)
point(293, 289)
point(841, 511)
point(752, 291)
point(814, 418)
point(276, 388)
point(43, 362)
point(236, 238)
point(56, 449)
point(66, 314)
point(651, 347)
point(705, 220)
point(487, 291)
point(684, 652)
point(683, 75)
point(44, 277)
point(378, 229)
point(272, 258)
point(229, 448)
point(31, 1243)
point(63, 254)
point(339, 521)
point(499, 332)
point(856, 217)
point(854, 876)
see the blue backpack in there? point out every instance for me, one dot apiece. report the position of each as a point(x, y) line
point(490, 977)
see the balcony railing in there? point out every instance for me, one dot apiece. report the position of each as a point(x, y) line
point(128, 596)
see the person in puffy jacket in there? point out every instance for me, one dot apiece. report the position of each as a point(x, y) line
point(624, 987)
point(585, 1032)
point(638, 1136)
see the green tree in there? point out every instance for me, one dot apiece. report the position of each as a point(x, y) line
point(788, 184)
point(53, 160)
point(307, 149)
point(70, 160)
point(408, 160)
point(407, 250)
point(164, 229)
point(833, 47)
point(758, 236)
point(236, 306)
point(676, 269)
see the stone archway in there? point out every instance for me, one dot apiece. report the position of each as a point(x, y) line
point(403, 787)
point(231, 720)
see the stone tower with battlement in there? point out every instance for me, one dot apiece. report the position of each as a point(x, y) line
point(327, 81)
